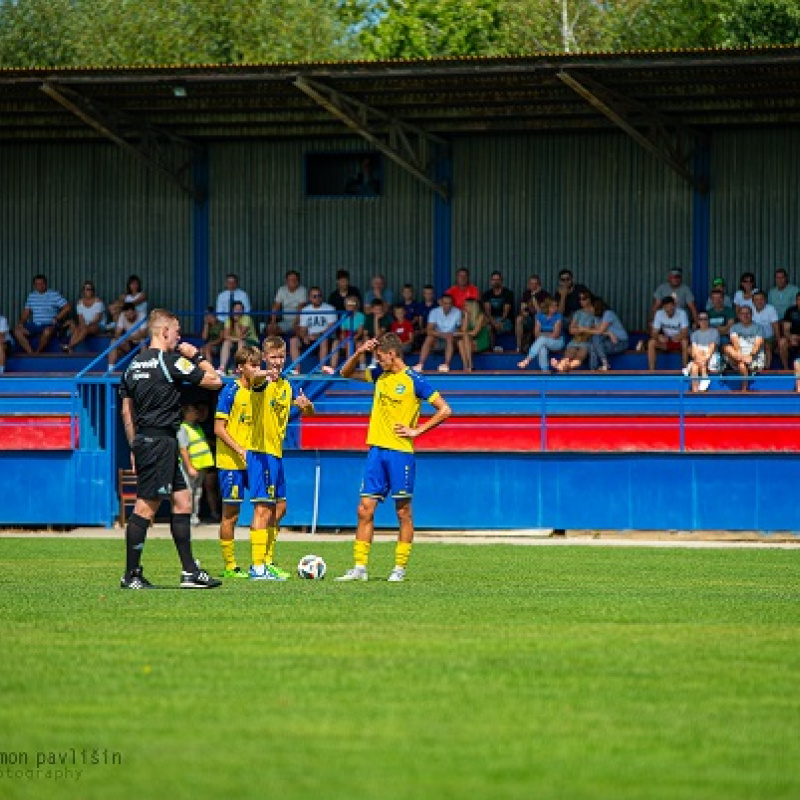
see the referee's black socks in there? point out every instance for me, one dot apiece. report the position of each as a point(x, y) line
point(181, 529)
point(135, 535)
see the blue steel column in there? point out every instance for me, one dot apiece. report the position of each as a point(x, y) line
point(442, 224)
point(200, 238)
point(701, 222)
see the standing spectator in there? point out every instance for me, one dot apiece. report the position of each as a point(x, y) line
point(548, 335)
point(196, 456)
point(133, 294)
point(582, 326)
point(475, 335)
point(5, 343)
point(745, 353)
point(675, 288)
point(462, 290)
point(705, 353)
point(719, 283)
point(289, 299)
point(443, 324)
point(532, 299)
point(90, 312)
point(129, 318)
point(744, 295)
point(229, 295)
point(790, 341)
point(378, 291)
point(669, 332)
point(45, 309)
point(402, 328)
point(608, 338)
point(212, 335)
point(568, 294)
point(343, 290)
point(351, 332)
point(782, 295)
point(498, 306)
point(316, 319)
point(765, 315)
point(239, 330)
point(720, 316)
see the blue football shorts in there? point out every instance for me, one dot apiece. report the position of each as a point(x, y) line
point(265, 477)
point(232, 484)
point(388, 472)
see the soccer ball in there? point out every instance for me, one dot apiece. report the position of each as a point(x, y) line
point(311, 567)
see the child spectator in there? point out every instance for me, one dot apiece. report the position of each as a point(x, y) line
point(412, 307)
point(705, 353)
point(351, 332)
point(403, 328)
point(213, 330)
point(239, 330)
point(196, 455)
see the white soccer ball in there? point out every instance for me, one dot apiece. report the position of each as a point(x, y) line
point(311, 567)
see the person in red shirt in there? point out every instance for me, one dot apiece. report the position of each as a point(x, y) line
point(463, 290)
point(403, 328)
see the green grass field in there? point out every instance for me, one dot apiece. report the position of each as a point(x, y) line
point(494, 672)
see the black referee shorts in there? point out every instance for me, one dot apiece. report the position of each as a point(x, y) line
point(158, 472)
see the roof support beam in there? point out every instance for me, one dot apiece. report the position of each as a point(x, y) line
point(663, 138)
point(149, 150)
point(405, 144)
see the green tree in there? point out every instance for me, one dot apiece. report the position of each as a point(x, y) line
point(761, 22)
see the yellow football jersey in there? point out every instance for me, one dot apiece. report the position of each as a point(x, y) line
point(272, 404)
point(398, 398)
point(234, 406)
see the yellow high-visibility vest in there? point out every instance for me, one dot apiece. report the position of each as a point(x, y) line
point(199, 451)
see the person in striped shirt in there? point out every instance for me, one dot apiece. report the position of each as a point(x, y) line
point(45, 309)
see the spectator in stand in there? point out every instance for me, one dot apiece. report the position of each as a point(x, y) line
point(720, 316)
point(212, 335)
point(498, 306)
point(351, 332)
point(704, 352)
point(609, 337)
point(129, 318)
point(45, 310)
point(669, 332)
point(316, 319)
point(532, 299)
point(378, 320)
point(582, 327)
point(745, 353)
point(427, 305)
point(443, 325)
point(412, 307)
point(403, 328)
point(6, 343)
point(475, 334)
point(568, 294)
point(462, 290)
point(548, 335)
point(343, 290)
point(790, 341)
point(289, 299)
point(230, 295)
point(782, 295)
point(744, 296)
point(675, 288)
point(239, 331)
point(765, 315)
point(133, 294)
point(719, 283)
point(90, 312)
point(378, 291)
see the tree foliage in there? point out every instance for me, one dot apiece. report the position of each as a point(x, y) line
point(761, 22)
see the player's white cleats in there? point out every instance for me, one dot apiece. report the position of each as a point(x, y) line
point(356, 574)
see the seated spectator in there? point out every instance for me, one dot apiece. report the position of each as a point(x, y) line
point(474, 335)
point(581, 327)
point(239, 330)
point(212, 335)
point(782, 295)
point(790, 341)
point(378, 291)
point(443, 324)
point(568, 294)
point(403, 328)
point(608, 338)
point(133, 294)
point(719, 284)
point(289, 299)
point(90, 310)
point(45, 311)
point(744, 295)
point(412, 307)
point(6, 343)
point(229, 296)
point(428, 304)
point(675, 288)
point(343, 290)
point(745, 353)
point(705, 353)
point(316, 319)
point(462, 290)
point(532, 299)
point(765, 315)
point(378, 320)
point(548, 335)
point(351, 332)
point(498, 306)
point(720, 316)
point(129, 318)
point(669, 333)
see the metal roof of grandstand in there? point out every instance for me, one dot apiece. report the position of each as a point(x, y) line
point(445, 97)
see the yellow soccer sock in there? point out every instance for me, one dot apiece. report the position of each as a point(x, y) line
point(258, 545)
point(402, 553)
point(228, 555)
point(361, 553)
point(272, 536)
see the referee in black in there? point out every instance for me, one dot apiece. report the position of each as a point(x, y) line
point(151, 410)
